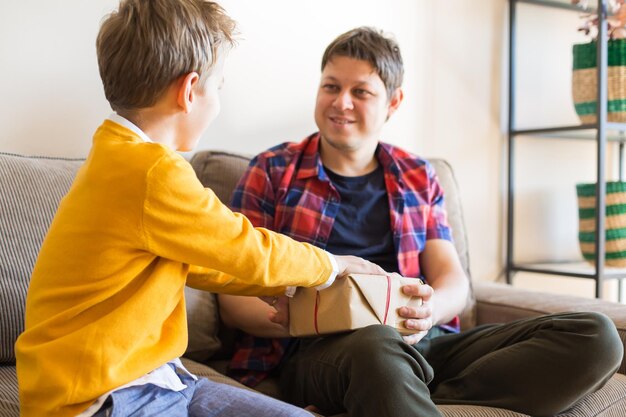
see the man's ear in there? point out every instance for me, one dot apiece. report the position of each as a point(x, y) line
point(186, 93)
point(394, 102)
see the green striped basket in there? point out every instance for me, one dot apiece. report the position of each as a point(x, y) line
point(584, 81)
point(615, 222)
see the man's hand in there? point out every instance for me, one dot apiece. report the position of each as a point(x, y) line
point(418, 318)
point(281, 313)
point(354, 265)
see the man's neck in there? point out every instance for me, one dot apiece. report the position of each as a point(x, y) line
point(348, 163)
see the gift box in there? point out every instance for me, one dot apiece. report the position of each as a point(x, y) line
point(351, 303)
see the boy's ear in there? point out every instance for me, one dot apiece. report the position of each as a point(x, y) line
point(394, 102)
point(186, 92)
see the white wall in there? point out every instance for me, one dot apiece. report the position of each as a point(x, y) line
point(454, 52)
point(52, 98)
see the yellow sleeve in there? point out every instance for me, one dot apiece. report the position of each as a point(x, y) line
point(207, 279)
point(186, 222)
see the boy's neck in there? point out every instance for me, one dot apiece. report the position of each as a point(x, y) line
point(157, 125)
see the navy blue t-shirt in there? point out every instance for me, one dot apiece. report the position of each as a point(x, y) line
point(362, 226)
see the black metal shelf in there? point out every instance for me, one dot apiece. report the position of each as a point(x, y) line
point(574, 269)
point(614, 132)
point(602, 132)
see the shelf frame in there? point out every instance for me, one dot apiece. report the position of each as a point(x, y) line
point(601, 127)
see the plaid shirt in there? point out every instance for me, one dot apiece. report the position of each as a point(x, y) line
point(287, 190)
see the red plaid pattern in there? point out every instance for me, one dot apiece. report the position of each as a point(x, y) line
point(286, 189)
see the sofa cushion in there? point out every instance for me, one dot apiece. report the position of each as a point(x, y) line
point(9, 399)
point(202, 324)
point(220, 171)
point(454, 209)
point(30, 191)
point(609, 401)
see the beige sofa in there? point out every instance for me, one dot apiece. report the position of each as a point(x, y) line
point(31, 187)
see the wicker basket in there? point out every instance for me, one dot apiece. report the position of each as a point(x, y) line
point(584, 81)
point(615, 222)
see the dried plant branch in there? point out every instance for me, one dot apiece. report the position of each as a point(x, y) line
point(616, 21)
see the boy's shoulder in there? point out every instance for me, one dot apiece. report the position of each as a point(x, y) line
point(116, 145)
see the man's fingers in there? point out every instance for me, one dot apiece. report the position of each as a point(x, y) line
point(413, 339)
point(281, 305)
point(279, 318)
point(269, 299)
point(423, 291)
point(418, 324)
point(421, 312)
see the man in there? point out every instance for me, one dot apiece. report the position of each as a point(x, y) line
point(343, 190)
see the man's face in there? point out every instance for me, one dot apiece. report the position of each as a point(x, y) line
point(352, 104)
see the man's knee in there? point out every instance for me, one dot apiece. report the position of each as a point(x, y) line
point(377, 332)
point(591, 343)
point(371, 342)
point(604, 342)
point(380, 350)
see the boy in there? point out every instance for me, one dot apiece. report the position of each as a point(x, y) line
point(105, 313)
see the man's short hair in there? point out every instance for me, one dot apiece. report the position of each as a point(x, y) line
point(371, 45)
point(145, 45)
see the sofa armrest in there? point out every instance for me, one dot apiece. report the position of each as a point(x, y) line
point(500, 303)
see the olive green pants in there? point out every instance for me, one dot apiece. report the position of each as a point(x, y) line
point(539, 366)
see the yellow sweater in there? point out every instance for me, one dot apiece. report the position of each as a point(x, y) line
point(105, 304)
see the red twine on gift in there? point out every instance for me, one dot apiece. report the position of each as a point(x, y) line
point(388, 298)
point(317, 302)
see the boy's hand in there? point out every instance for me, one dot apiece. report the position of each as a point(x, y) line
point(354, 265)
point(281, 305)
point(418, 318)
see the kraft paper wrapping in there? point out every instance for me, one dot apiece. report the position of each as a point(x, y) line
point(351, 303)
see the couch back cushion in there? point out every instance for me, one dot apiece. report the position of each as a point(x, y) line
point(30, 191)
point(457, 224)
point(221, 171)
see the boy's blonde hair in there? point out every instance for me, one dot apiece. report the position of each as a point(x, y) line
point(147, 44)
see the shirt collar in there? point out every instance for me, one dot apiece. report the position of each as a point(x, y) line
point(389, 161)
point(122, 121)
point(311, 164)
